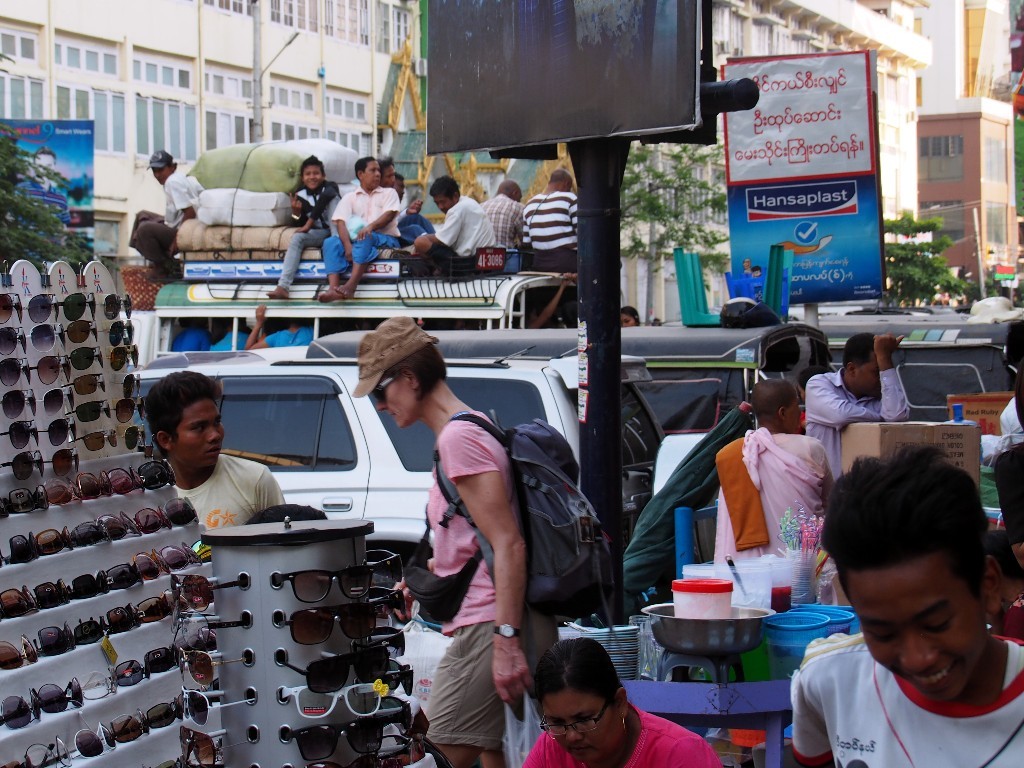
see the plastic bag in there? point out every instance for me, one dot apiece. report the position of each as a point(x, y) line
point(520, 735)
point(424, 648)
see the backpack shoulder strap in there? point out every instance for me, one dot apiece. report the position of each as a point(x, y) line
point(493, 430)
point(445, 484)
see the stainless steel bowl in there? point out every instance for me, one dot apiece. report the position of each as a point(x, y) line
point(707, 637)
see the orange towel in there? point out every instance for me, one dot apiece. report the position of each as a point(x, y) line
point(741, 497)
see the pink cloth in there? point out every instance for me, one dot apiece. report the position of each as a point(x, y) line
point(661, 743)
point(370, 207)
point(466, 450)
point(788, 471)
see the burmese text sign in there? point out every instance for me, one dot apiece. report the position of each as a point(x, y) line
point(802, 173)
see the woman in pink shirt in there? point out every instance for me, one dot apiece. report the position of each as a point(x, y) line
point(588, 721)
point(486, 664)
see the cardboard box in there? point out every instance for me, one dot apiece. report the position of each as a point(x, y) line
point(960, 442)
point(983, 408)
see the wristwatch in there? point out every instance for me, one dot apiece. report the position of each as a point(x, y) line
point(506, 630)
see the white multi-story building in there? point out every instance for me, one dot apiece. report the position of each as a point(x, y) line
point(178, 75)
point(743, 28)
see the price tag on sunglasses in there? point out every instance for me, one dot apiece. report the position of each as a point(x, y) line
point(109, 652)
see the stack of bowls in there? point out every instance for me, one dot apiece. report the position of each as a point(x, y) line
point(621, 642)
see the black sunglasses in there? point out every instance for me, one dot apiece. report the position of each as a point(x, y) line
point(330, 674)
point(49, 595)
point(364, 735)
point(22, 500)
point(54, 641)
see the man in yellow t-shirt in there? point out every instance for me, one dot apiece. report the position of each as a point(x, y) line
point(185, 422)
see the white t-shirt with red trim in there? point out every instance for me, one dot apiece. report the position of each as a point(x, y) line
point(851, 710)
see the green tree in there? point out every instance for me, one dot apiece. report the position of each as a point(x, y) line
point(29, 227)
point(918, 270)
point(669, 199)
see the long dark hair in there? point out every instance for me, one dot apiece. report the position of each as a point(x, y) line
point(579, 663)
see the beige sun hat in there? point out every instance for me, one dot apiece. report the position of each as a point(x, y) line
point(393, 341)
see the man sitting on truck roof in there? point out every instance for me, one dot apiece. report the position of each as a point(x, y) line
point(156, 237)
point(312, 207)
point(466, 228)
point(366, 220)
point(411, 223)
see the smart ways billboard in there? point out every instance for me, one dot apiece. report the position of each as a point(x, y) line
point(801, 171)
point(65, 146)
point(511, 73)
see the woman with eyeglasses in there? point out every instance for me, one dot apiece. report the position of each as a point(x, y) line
point(486, 664)
point(588, 721)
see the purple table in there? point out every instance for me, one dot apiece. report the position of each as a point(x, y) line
point(762, 706)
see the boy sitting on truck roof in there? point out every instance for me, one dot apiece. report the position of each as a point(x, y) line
point(312, 207)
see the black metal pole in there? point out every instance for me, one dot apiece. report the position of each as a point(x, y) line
point(599, 165)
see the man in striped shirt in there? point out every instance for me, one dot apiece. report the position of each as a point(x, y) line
point(550, 225)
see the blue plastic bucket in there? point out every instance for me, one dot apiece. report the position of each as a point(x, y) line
point(788, 635)
point(841, 617)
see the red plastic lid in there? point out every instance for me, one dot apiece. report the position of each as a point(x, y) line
point(702, 585)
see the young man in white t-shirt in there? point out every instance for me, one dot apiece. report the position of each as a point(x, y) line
point(155, 237)
point(927, 684)
point(185, 422)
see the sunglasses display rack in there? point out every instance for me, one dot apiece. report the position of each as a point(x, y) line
point(43, 599)
point(260, 735)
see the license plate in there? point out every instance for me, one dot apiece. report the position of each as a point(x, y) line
point(490, 259)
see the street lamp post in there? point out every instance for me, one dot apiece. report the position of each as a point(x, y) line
point(258, 70)
point(257, 73)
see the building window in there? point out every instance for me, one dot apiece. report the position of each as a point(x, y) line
point(383, 28)
point(345, 106)
point(169, 125)
point(995, 161)
point(90, 57)
point(162, 71)
point(231, 86)
point(17, 45)
point(233, 6)
point(105, 108)
point(293, 98)
point(360, 142)
point(280, 131)
point(300, 14)
point(20, 97)
point(400, 27)
point(106, 237)
point(224, 129)
point(995, 223)
point(940, 158)
point(952, 214)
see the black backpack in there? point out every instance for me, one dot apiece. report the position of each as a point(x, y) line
point(569, 560)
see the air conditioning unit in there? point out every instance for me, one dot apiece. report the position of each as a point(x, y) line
point(419, 67)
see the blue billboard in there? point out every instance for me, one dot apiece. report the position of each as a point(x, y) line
point(65, 146)
point(830, 226)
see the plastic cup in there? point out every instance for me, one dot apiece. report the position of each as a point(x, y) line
point(841, 618)
point(787, 635)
